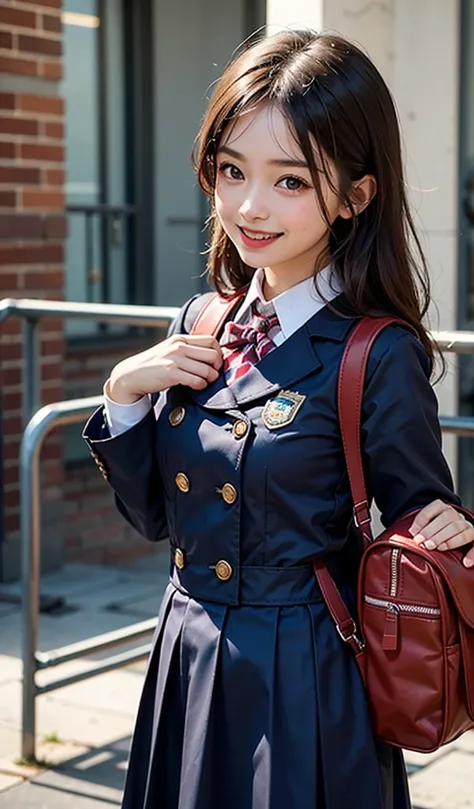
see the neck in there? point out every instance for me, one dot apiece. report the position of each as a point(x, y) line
point(274, 284)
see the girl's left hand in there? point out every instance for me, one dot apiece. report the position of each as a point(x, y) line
point(439, 526)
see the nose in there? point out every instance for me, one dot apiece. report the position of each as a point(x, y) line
point(253, 208)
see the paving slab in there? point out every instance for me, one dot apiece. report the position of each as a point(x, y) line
point(448, 783)
point(92, 780)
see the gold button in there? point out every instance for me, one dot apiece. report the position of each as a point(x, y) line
point(229, 493)
point(223, 570)
point(176, 416)
point(182, 482)
point(179, 559)
point(240, 428)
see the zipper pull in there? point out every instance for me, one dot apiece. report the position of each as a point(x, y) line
point(390, 630)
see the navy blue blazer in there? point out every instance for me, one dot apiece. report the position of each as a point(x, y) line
point(292, 498)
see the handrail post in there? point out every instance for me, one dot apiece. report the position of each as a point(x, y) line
point(30, 529)
point(31, 369)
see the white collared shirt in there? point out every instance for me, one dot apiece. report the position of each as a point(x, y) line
point(294, 308)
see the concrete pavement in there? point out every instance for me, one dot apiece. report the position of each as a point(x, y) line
point(84, 730)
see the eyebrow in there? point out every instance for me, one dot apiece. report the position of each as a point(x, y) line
point(301, 164)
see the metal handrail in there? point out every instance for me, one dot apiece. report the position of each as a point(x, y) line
point(31, 311)
point(59, 413)
point(152, 316)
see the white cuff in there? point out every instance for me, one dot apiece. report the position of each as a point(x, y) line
point(122, 417)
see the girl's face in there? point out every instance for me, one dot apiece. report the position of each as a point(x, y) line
point(266, 201)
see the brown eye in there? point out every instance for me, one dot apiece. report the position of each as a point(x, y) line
point(293, 183)
point(230, 171)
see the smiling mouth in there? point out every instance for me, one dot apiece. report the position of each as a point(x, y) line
point(259, 235)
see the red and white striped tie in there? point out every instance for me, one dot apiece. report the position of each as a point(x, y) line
point(244, 345)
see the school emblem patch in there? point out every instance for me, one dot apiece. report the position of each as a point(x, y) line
point(281, 410)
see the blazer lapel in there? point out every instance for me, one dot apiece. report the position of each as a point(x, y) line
point(282, 368)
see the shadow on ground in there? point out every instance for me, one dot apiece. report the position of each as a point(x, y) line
point(93, 780)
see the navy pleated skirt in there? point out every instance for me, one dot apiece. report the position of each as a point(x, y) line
point(259, 706)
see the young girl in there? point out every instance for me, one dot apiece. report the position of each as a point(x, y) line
point(251, 699)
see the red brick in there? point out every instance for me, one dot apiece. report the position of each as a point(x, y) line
point(46, 47)
point(13, 16)
point(7, 101)
point(50, 105)
point(8, 282)
point(48, 3)
point(41, 151)
point(45, 200)
point(7, 150)
point(21, 226)
point(44, 280)
point(11, 450)
point(12, 425)
point(51, 23)
point(12, 522)
point(7, 199)
point(32, 254)
point(21, 67)
point(55, 227)
point(54, 130)
point(11, 499)
point(19, 175)
point(10, 474)
point(11, 376)
point(54, 177)
point(11, 351)
point(11, 401)
point(6, 39)
point(18, 126)
point(50, 372)
point(52, 70)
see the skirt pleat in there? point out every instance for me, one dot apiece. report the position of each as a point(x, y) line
point(256, 707)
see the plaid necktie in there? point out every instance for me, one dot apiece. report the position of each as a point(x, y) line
point(244, 345)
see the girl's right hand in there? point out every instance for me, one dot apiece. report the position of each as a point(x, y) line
point(183, 359)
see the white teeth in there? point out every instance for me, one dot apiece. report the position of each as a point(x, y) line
point(259, 237)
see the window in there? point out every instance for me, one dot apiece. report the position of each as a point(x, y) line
point(105, 49)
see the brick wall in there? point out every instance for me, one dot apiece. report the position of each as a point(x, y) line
point(32, 233)
point(80, 522)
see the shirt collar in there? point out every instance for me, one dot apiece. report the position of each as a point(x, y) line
point(296, 305)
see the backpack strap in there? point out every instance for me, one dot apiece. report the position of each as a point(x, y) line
point(215, 312)
point(350, 394)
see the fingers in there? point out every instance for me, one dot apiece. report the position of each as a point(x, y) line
point(441, 527)
point(468, 560)
point(427, 514)
point(448, 517)
point(205, 340)
point(202, 370)
point(455, 535)
point(208, 355)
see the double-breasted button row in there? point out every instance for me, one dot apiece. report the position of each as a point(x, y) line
point(222, 569)
point(100, 464)
point(228, 492)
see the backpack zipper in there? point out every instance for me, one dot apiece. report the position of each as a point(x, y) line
point(397, 608)
point(394, 572)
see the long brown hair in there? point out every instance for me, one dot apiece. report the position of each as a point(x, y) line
point(333, 96)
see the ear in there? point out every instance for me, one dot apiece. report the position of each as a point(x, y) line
point(362, 193)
